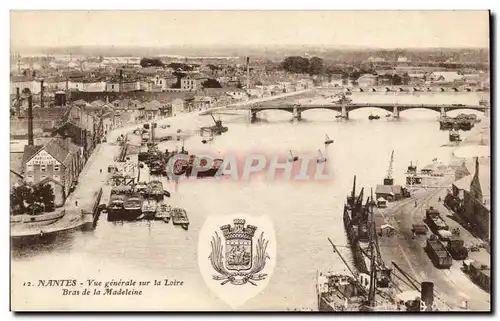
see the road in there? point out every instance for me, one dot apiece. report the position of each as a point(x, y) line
point(453, 286)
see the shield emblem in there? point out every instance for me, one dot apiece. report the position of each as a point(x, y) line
point(237, 255)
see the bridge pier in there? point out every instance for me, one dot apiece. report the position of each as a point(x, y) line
point(395, 112)
point(345, 113)
point(442, 114)
point(253, 115)
point(297, 114)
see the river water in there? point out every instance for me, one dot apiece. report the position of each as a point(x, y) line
point(304, 214)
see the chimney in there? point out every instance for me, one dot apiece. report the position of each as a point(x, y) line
point(30, 121)
point(41, 94)
point(120, 83)
point(248, 73)
point(428, 294)
point(18, 102)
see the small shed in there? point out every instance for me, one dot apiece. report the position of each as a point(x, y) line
point(389, 192)
point(381, 202)
point(387, 230)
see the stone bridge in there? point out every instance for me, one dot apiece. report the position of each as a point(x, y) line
point(344, 109)
point(402, 88)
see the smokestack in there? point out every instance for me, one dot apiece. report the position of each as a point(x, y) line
point(248, 73)
point(41, 94)
point(428, 294)
point(30, 121)
point(120, 84)
point(18, 102)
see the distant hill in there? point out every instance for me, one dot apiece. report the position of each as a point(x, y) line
point(274, 53)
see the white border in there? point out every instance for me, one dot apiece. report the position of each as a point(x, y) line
point(191, 5)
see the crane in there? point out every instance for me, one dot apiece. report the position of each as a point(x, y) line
point(389, 180)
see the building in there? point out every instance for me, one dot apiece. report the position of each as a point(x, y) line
point(203, 102)
point(164, 82)
point(470, 197)
point(442, 77)
point(188, 83)
point(151, 110)
point(84, 127)
point(367, 80)
point(60, 160)
point(23, 83)
point(389, 192)
point(178, 106)
point(93, 86)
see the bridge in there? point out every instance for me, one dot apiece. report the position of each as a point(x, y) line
point(402, 88)
point(344, 109)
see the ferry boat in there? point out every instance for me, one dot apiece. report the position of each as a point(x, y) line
point(217, 163)
point(179, 217)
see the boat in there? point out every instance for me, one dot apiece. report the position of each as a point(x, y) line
point(204, 141)
point(179, 217)
point(163, 213)
point(328, 141)
point(149, 207)
point(115, 207)
point(372, 117)
point(321, 158)
point(132, 207)
point(454, 136)
point(155, 189)
point(355, 225)
point(292, 158)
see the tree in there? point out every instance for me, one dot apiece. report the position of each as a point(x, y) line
point(20, 199)
point(149, 62)
point(211, 83)
point(316, 66)
point(32, 199)
point(296, 64)
point(44, 194)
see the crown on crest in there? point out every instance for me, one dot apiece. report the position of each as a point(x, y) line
point(239, 231)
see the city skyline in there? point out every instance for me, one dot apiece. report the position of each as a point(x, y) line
point(361, 29)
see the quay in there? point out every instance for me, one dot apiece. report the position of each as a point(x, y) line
point(408, 251)
point(82, 205)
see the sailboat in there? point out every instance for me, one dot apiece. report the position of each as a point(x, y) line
point(321, 158)
point(328, 141)
point(211, 139)
point(292, 158)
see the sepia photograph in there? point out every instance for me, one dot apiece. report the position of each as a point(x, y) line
point(250, 161)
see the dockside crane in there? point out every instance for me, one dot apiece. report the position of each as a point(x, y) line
point(389, 180)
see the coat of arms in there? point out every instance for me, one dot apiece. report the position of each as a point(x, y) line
point(237, 261)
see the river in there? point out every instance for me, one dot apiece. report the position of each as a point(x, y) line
point(304, 214)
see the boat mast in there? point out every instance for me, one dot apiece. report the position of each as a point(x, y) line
point(373, 279)
point(335, 250)
point(353, 189)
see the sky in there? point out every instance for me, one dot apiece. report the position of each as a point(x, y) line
point(374, 29)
